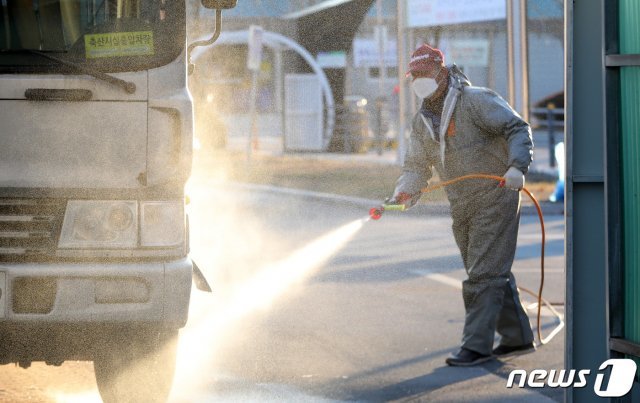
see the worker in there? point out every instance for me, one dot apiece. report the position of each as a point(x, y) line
point(459, 130)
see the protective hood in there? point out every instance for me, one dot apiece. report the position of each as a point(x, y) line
point(457, 80)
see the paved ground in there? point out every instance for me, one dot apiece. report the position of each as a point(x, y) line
point(312, 302)
point(374, 322)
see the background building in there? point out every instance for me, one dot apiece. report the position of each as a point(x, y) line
point(474, 38)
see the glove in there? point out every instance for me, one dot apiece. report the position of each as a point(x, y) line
point(513, 179)
point(403, 198)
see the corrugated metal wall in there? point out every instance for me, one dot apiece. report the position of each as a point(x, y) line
point(630, 146)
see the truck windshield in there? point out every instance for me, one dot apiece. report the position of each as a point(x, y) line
point(110, 35)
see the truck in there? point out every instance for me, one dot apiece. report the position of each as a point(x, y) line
point(96, 137)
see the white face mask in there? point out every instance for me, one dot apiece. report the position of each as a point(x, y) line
point(424, 87)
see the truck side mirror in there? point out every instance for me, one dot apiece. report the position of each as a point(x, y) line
point(219, 4)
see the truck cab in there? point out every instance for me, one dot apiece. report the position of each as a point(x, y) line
point(95, 149)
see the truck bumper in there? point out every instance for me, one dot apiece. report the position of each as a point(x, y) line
point(155, 293)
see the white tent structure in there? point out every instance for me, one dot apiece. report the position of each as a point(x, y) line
point(277, 41)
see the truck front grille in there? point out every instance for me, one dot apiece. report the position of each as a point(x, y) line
point(29, 228)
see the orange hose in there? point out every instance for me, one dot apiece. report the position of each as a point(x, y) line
point(540, 216)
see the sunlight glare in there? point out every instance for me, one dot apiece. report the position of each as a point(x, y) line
point(206, 331)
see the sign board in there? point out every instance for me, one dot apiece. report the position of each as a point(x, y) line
point(365, 53)
point(254, 57)
point(428, 13)
point(332, 60)
point(468, 52)
point(114, 44)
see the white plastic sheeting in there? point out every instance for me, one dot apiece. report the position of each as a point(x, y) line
point(303, 113)
point(275, 40)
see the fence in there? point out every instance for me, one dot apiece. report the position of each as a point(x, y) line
point(553, 119)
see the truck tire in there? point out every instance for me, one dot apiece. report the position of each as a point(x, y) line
point(137, 366)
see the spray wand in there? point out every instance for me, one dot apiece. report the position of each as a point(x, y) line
point(376, 213)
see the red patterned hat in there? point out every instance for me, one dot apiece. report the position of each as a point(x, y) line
point(426, 60)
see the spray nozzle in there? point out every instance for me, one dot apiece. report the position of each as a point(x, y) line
point(376, 212)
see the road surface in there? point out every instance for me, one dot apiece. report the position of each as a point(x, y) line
point(313, 303)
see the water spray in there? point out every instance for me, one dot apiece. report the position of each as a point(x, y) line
point(212, 321)
point(376, 213)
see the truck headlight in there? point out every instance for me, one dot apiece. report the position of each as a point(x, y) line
point(100, 224)
point(162, 223)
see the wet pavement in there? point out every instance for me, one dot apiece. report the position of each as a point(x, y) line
point(373, 322)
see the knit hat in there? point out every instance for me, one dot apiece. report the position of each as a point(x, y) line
point(426, 60)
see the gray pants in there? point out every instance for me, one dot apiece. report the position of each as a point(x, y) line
point(486, 231)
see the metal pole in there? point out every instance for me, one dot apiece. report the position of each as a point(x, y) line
point(552, 137)
point(517, 56)
point(279, 91)
point(412, 45)
point(511, 80)
point(252, 112)
point(254, 58)
point(379, 136)
point(381, 73)
point(569, 360)
point(491, 79)
point(524, 60)
point(402, 104)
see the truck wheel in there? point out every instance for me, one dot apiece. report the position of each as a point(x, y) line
point(137, 366)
